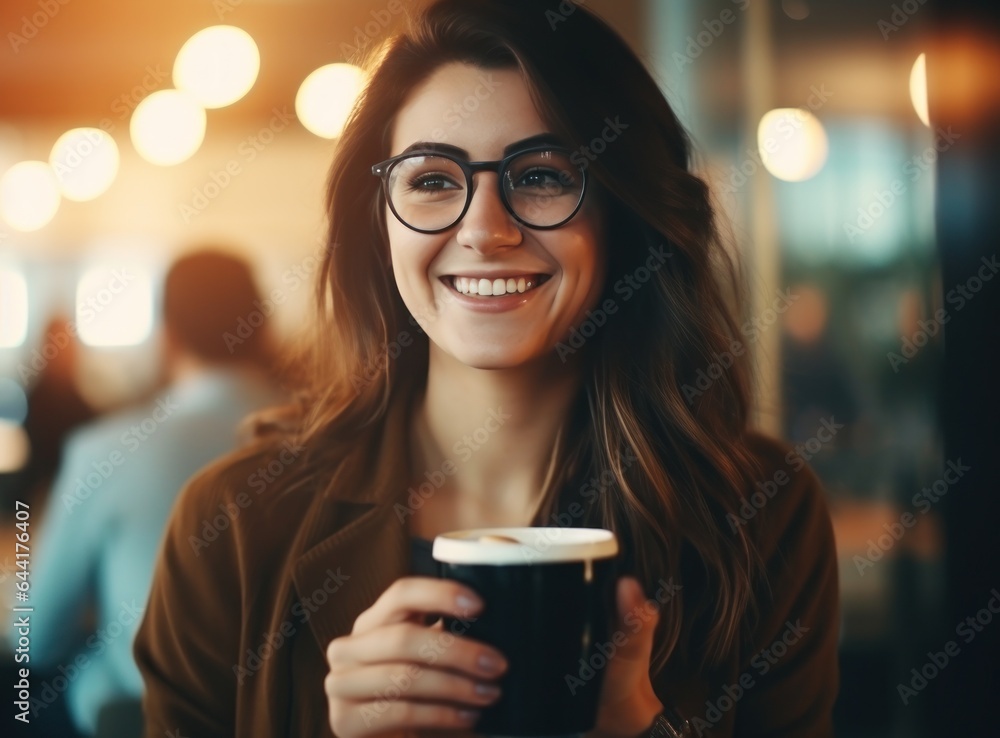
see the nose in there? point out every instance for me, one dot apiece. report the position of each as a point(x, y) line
point(487, 225)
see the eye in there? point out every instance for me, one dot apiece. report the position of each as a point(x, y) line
point(542, 178)
point(431, 181)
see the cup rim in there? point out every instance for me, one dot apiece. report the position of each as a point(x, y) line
point(537, 545)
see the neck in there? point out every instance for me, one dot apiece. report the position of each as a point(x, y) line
point(492, 432)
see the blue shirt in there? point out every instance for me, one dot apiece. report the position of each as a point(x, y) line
point(101, 531)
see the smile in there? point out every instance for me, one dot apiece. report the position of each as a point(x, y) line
point(495, 287)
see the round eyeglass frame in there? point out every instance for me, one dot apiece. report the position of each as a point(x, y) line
point(383, 170)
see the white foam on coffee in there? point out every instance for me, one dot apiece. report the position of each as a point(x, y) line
point(537, 545)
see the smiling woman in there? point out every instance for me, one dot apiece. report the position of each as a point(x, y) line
point(502, 192)
point(454, 244)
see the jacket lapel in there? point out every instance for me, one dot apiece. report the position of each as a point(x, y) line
point(357, 544)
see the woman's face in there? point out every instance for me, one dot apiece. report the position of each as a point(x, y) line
point(482, 112)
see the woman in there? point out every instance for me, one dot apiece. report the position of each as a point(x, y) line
point(512, 343)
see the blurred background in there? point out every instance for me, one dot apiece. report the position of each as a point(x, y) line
point(132, 134)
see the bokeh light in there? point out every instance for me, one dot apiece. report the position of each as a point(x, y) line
point(795, 9)
point(13, 308)
point(326, 96)
point(167, 127)
point(29, 195)
point(918, 89)
point(85, 162)
point(217, 65)
point(792, 143)
point(114, 305)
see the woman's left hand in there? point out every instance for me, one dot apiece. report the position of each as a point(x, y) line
point(628, 704)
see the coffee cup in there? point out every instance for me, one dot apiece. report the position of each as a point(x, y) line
point(549, 602)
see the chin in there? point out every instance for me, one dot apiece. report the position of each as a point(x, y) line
point(492, 357)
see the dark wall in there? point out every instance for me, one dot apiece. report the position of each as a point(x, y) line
point(965, 94)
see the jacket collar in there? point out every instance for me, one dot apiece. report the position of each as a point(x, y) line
point(356, 541)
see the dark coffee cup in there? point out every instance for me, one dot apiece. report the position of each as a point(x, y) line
point(549, 597)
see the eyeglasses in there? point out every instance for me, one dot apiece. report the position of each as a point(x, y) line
point(430, 191)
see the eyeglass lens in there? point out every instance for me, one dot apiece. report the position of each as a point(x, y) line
point(542, 188)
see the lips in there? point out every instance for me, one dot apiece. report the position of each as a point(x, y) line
point(498, 285)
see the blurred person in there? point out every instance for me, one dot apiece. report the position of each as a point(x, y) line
point(544, 250)
point(55, 408)
point(94, 555)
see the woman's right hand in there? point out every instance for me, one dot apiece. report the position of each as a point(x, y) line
point(394, 674)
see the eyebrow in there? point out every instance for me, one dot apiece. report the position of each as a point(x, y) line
point(536, 140)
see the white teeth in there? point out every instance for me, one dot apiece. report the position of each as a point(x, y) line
point(499, 286)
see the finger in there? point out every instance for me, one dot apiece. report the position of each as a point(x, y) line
point(411, 643)
point(410, 682)
point(411, 598)
point(374, 718)
point(631, 600)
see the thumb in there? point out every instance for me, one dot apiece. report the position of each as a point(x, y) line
point(635, 610)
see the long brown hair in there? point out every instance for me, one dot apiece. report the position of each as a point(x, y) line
point(692, 464)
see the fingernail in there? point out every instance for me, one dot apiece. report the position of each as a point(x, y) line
point(467, 602)
point(487, 690)
point(490, 663)
point(468, 715)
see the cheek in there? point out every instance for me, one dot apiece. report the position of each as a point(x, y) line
point(411, 256)
point(588, 262)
